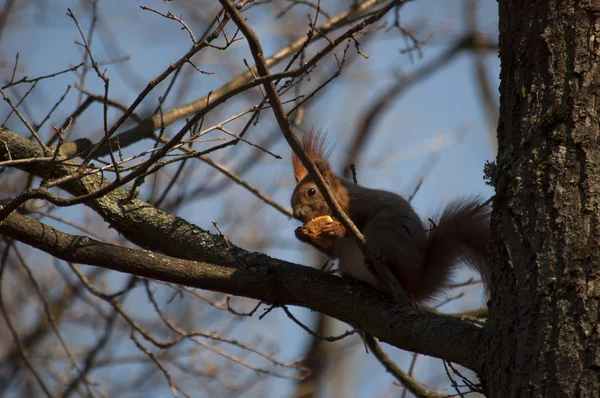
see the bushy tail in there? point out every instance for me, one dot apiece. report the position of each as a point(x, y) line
point(460, 234)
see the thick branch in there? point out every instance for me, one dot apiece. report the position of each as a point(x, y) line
point(261, 277)
point(234, 270)
point(138, 221)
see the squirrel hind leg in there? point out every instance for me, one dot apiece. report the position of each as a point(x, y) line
point(402, 250)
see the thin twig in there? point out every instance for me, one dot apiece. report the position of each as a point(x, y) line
point(221, 232)
point(25, 121)
point(13, 331)
point(170, 16)
point(314, 334)
point(248, 142)
point(408, 382)
point(51, 319)
point(25, 79)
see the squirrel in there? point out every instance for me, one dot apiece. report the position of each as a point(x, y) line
point(422, 259)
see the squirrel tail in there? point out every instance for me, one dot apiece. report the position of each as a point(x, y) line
point(461, 234)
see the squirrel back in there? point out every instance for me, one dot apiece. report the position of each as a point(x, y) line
point(422, 259)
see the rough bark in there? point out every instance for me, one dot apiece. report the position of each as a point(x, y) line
point(543, 332)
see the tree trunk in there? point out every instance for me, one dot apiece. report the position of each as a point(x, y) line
point(543, 331)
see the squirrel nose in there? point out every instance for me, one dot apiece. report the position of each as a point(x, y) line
point(298, 214)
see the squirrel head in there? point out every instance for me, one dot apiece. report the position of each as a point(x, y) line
point(307, 201)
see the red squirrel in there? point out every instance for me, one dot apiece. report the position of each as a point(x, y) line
point(422, 258)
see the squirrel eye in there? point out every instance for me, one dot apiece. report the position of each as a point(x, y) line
point(311, 191)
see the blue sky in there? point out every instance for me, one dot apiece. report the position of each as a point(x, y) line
point(432, 111)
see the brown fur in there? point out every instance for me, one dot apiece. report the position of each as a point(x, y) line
point(314, 144)
point(308, 207)
point(461, 235)
point(422, 260)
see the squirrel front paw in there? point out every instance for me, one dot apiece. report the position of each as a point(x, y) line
point(302, 234)
point(333, 228)
point(312, 233)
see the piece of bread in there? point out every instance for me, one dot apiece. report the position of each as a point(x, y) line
point(314, 228)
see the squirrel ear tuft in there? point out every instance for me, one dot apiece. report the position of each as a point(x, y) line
point(324, 168)
point(314, 144)
point(299, 170)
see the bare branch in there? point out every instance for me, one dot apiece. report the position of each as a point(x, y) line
point(260, 277)
point(407, 381)
point(26, 79)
